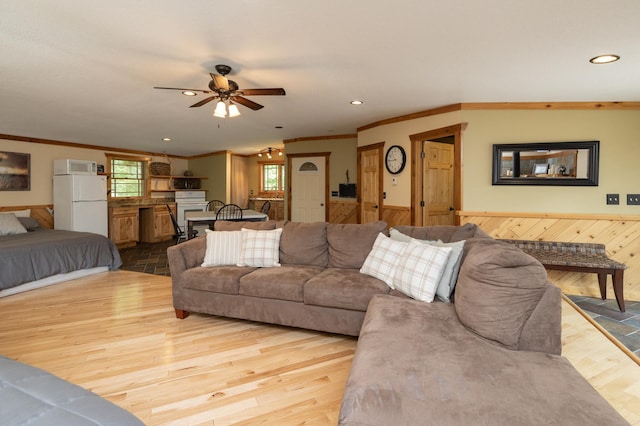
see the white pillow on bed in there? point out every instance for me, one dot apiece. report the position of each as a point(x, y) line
point(19, 213)
point(9, 224)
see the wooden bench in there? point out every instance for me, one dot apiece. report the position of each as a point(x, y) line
point(578, 257)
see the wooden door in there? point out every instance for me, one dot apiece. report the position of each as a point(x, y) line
point(308, 189)
point(370, 177)
point(438, 185)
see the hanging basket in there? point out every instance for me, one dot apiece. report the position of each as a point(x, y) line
point(160, 169)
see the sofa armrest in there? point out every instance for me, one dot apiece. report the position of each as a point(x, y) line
point(187, 255)
point(541, 332)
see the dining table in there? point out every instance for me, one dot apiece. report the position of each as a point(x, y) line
point(209, 218)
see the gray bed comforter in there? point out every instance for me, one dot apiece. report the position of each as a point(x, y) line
point(44, 252)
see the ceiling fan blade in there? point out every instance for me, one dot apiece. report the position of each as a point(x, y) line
point(257, 92)
point(177, 88)
point(246, 102)
point(219, 82)
point(204, 101)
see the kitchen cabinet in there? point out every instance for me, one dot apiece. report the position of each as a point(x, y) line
point(124, 226)
point(156, 224)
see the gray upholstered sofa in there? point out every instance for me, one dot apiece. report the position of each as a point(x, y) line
point(31, 396)
point(492, 357)
point(318, 286)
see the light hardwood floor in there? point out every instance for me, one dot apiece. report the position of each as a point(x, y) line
point(116, 334)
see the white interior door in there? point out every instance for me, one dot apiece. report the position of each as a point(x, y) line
point(308, 186)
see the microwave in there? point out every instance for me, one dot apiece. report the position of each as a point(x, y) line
point(74, 167)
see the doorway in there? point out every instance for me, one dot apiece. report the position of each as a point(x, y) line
point(370, 182)
point(436, 183)
point(308, 177)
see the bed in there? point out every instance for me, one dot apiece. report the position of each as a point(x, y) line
point(41, 256)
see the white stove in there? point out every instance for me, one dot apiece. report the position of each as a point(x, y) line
point(189, 201)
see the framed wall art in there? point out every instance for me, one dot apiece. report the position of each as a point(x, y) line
point(15, 171)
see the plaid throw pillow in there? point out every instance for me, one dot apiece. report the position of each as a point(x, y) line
point(382, 260)
point(223, 248)
point(260, 248)
point(420, 269)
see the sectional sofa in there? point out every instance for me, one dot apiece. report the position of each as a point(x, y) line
point(490, 358)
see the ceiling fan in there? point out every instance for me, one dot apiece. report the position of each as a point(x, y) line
point(227, 91)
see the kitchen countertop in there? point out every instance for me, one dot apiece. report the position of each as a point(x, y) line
point(142, 202)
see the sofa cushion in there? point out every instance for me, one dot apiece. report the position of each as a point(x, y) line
point(304, 244)
point(260, 248)
point(498, 288)
point(221, 279)
point(415, 364)
point(223, 248)
point(382, 260)
point(284, 283)
point(420, 269)
point(445, 233)
point(349, 244)
point(342, 288)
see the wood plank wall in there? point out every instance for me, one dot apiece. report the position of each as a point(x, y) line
point(620, 234)
point(38, 212)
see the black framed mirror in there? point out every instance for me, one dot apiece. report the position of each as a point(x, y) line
point(546, 163)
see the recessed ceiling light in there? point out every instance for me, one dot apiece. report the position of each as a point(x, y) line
point(166, 139)
point(189, 93)
point(604, 59)
point(356, 102)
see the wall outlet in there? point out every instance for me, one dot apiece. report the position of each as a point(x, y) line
point(633, 199)
point(613, 198)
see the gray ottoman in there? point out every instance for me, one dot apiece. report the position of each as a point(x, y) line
point(32, 396)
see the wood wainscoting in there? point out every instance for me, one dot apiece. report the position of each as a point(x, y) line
point(620, 234)
point(343, 212)
point(38, 212)
point(396, 215)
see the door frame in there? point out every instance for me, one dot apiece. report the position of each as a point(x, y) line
point(326, 156)
point(417, 172)
point(380, 147)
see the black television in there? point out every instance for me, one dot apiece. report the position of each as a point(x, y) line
point(347, 190)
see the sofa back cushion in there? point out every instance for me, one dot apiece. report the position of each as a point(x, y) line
point(444, 233)
point(230, 225)
point(304, 244)
point(349, 244)
point(499, 287)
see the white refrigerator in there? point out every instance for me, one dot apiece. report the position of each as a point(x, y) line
point(80, 203)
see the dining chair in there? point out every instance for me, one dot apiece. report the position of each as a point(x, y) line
point(179, 232)
point(215, 205)
point(229, 212)
point(265, 207)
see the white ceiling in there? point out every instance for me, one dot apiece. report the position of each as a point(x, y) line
point(84, 71)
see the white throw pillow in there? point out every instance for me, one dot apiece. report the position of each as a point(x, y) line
point(260, 248)
point(450, 274)
point(382, 260)
point(19, 213)
point(420, 269)
point(394, 234)
point(223, 248)
point(9, 224)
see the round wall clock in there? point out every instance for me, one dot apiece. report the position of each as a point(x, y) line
point(395, 159)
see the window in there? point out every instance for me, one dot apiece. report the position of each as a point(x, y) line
point(272, 177)
point(127, 176)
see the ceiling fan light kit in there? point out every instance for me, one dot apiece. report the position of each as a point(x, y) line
point(227, 92)
point(269, 152)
